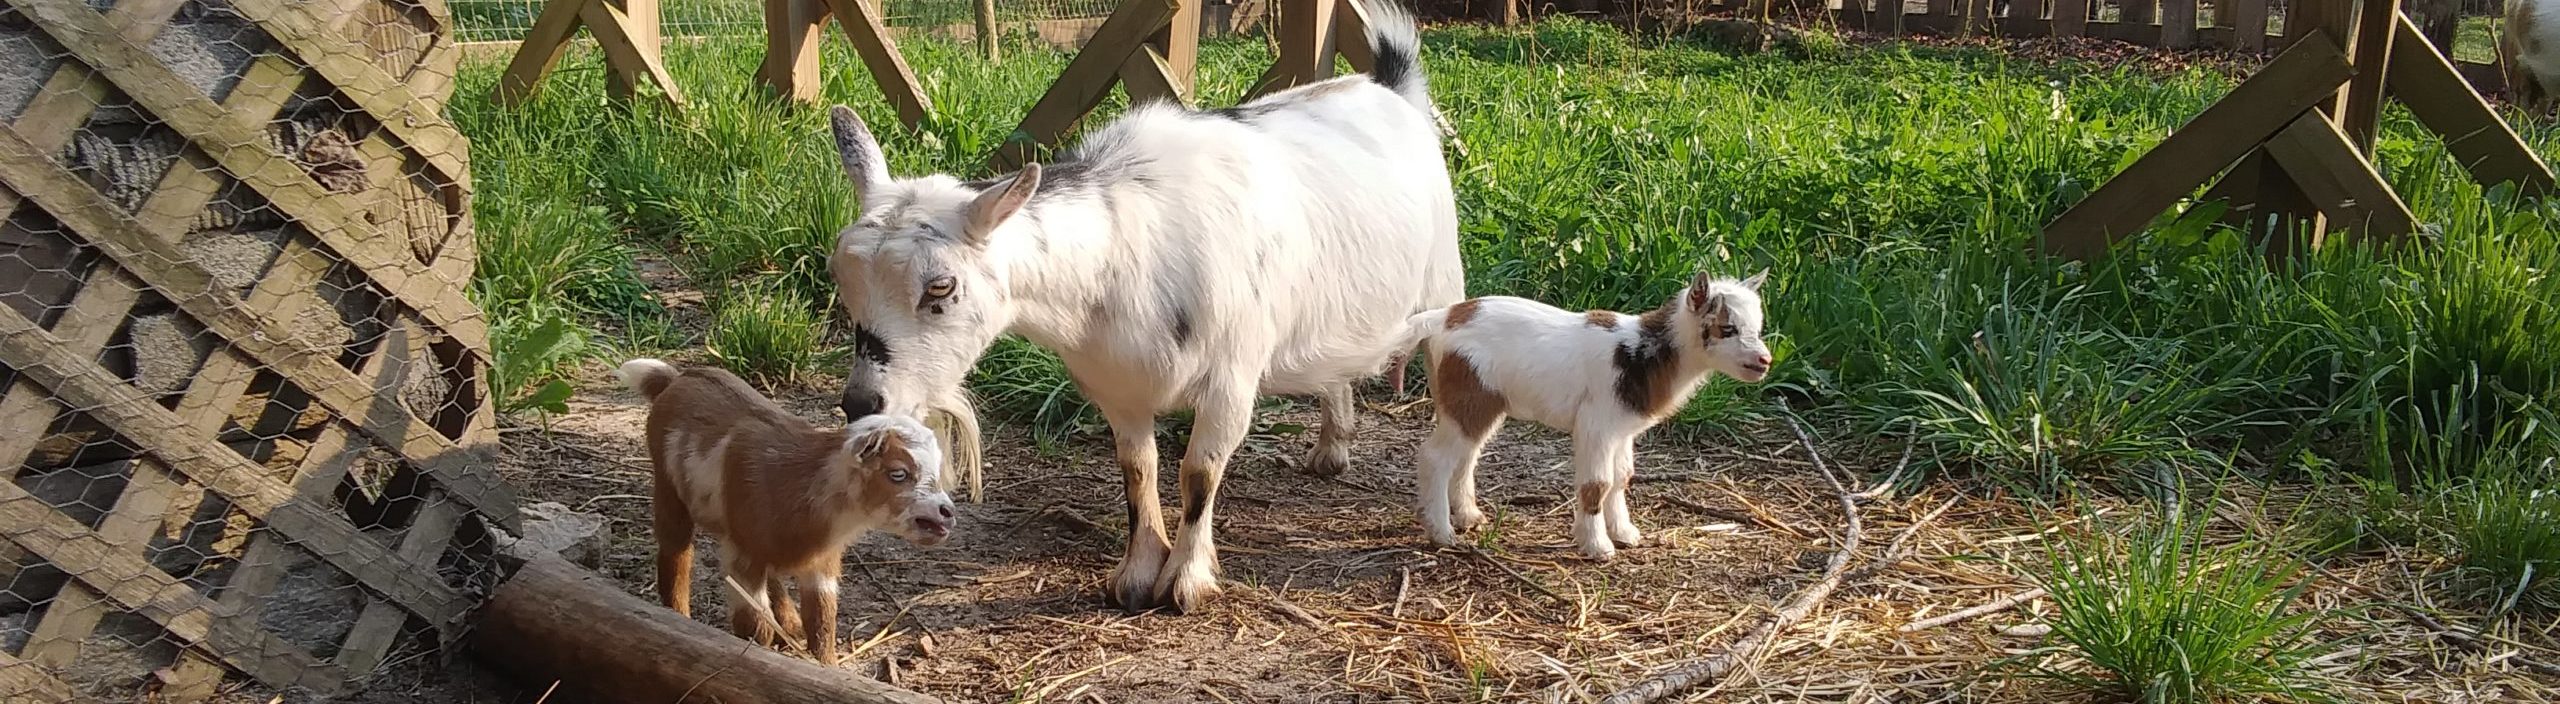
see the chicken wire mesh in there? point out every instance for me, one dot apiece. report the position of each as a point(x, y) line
point(243, 423)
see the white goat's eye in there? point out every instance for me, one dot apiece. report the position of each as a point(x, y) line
point(1727, 331)
point(939, 287)
point(898, 476)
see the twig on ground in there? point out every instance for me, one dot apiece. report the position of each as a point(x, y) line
point(1523, 579)
point(1895, 551)
point(1682, 678)
point(1885, 487)
point(1404, 583)
point(2470, 640)
point(2005, 603)
point(1296, 614)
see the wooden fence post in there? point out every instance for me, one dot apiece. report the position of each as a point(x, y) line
point(987, 32)
point(2178, 24)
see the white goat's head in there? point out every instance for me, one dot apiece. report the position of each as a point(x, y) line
point(915, 274)
point(1724, 316)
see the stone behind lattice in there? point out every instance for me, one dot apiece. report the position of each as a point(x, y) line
point(246, 446)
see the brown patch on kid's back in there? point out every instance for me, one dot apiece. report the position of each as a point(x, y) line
point(1462, 397)
point(1646, 364)
point(1602, 319)
point(1461, 312)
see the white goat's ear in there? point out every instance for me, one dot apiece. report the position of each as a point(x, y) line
point(1698, 287)
point(1001, 201)
point(1754, 282)
point(863, 162)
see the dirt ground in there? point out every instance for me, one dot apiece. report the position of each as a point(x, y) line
point(1332, 593)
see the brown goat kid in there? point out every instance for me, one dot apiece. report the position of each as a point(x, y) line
point(783, 497)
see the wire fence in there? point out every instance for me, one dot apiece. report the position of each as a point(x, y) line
point(505, 20)
point(247, 426)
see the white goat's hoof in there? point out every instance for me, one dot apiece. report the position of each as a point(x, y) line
point(1599, 552)
point(1466, 518)
point(1133, 584)
point(1323, 464)
point(1626, 535)
point(1188, 585)
point(1443, 536)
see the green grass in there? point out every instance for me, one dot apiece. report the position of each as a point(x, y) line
point(2172, 618)
point(769, 333)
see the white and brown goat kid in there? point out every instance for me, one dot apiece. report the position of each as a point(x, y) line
point(1176, 258)
point(1604, 377)
point(783, 497)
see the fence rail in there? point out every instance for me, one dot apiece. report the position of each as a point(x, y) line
point(505, 20)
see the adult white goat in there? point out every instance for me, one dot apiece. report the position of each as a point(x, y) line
point(1175, 259)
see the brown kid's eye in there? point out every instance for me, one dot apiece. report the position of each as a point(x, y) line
point(898, 476)
point(1726, 331)
point(940, 287)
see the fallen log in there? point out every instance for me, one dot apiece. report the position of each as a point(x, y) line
point(556, 622)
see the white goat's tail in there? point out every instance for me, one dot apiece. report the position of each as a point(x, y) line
point(1398, 46)
point(648, 376)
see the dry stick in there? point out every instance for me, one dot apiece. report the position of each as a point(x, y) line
point(1884, 487)
point(1895, 550)
point(1682, 678)
point(2473, 641)
point(1404, 582)
point(2010, 602)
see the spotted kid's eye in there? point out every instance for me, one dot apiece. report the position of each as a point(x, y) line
point(1726, 331)
point(939, 287)
point(898, 476)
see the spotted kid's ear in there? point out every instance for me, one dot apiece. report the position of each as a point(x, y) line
point(1699, 285)
point(1754, 282)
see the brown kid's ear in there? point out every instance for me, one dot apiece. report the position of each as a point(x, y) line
point(1698, 286)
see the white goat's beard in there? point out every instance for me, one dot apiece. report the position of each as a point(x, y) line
point(955, 421)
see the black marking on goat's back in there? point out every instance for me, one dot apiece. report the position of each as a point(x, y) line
point(1246, 113)
point(1645, 365)
point(869, 346)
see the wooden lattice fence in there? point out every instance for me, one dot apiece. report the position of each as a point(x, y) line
point(245, 438)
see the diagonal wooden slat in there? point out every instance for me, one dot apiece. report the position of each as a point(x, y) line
point(82, 384)
point(612, 30)
point(315, 371)
point(127, 528)
point(1086, 80)
point(138, 587)
point(417, 123)
point(541, 50)
point(245, 152)
point(871, 40)
point(22, 681)
point(2306, 74)
point(96, 311)
point(2422, 79)
point(2324, 162)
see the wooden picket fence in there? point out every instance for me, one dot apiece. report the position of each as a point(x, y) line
point(2238, 25)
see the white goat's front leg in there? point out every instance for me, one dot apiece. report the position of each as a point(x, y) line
point(1622, 524)
point(1219, 421)
point(1594, 465)
point(1332, 452)
point(1133, 584)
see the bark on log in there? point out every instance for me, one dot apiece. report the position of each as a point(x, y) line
point(553, 621)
